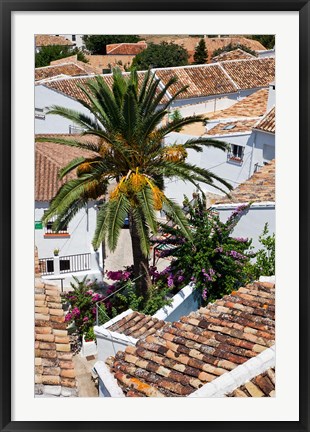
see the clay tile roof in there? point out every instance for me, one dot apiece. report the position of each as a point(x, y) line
point(202, 80)
point(70, 69)
point(54, 368)
point(268, 123)
point(46, 40)
point(234, 127)
point(254, 105)
point(126, 48)
point(260, 187)
point(236, 54)
point(262, 385)
point(252, 73)
point(182, 356)
point(70, 87)
point(49, 159)
point(137, 325)
point(88, 68)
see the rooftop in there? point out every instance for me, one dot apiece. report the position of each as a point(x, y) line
point(49, 159)
point(262, 385)
point(182, 356)
point(54, 368)
point(258, 188)
point(70, 69)
point(137, 325)
point(126, 48)
point(88, 67)
point(236, 54)
point(251, 73)
point(254, 105)
point(203, 80)
point(268, 123)
point(46, 40)
point(233, 127)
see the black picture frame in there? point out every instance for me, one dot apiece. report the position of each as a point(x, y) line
point(7, 7)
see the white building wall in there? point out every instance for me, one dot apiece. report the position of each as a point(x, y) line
point(81, 230)
point(52, 124)
point(210, 104)
point(216, 161)
point(252, 223)
point(78, 42)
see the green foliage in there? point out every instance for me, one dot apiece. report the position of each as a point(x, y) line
point(265, 257)
point(268, 41)
point(50, 53)
point(130, 299)
point(201, 53)
point(216, 259)
point(96, 44)
point(82, 300)
point(89, 335)
point(231, 47)
point(127, 120)
point(161, 55)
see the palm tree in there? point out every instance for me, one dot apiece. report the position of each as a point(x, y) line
point(129, 128)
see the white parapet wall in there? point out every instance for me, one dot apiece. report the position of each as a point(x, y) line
point(185, 301)
point(109, 342)
point(108, 386)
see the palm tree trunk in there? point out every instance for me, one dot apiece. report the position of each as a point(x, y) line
point(140, 262)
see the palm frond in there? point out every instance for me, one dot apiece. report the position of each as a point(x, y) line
point(76, 117)
point(176, 214)
point(142, 230)
point(101, 226)
point(118, 210)
point(146, 201)
point(70, 142)
point(71, 166)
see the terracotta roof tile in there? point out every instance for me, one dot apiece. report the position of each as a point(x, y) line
point(70, 69)
point(260, 187)
point(252, 73)
point(47, 40)
point(182, 356)
point(254, 105)
point(232, 127)
point(236, 54)
point(126, 48)
point(137, 325)
point(202, 80)
point(262, 385)
point(50, 369)
point(268, 123)
point(89, 68)
point(70, 87)
point(49, 159)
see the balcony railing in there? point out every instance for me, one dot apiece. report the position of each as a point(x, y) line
point(74, 263)
point(67, 264)
point(46, 266)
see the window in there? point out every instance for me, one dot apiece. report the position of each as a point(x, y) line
point(229, 127)
point(73, 38)
point(49, 229)
point(236, 153)
point(39, 113)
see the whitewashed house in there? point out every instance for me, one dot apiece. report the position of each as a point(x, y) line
point(259, 190)
point(72, 245)
point(248, 127)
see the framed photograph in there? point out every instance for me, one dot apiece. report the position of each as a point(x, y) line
point(86, 344)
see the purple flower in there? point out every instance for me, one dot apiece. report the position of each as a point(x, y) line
point(218, 249)
point(68, 317)
point(76, 311)
point(85, 318)
point(205, 294)
point(241, 239)
point(170, 281)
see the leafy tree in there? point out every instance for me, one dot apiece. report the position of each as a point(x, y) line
point(265, 257)
point(96, 44)
point(218, 261)
point(161, 55)
point(201, 53)
point(130, 152)
point(231, 47)
point(50, 53)
point(268, 41)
